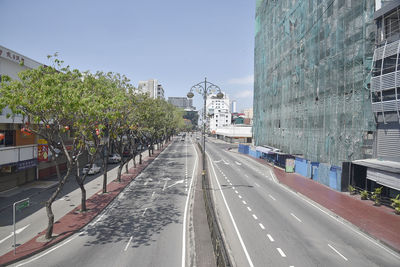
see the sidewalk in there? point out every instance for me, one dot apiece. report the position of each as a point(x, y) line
point(75, 220)
point(378, 222)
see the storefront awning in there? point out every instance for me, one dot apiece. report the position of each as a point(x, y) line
point(386, 173)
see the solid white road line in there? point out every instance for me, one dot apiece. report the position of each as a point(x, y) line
point(272, 197)
point(262, 226)
point(51, 250)
point(186, 210)
point(338, 252)
point(7, 237)
point(295, 217)
point(18, 231)
point(127, 245)
point(255, 217)
point(231, 216)
point(98, 219)
point(270, 238)
point(281, 252)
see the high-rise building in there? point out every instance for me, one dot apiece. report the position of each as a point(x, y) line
point(181, 102)
point(385, 86)
point(152, 88)
point(217, 112)
point(313, 64)
point(234, 106)
point(384, 169)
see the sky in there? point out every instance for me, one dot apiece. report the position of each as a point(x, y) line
point(177, 42)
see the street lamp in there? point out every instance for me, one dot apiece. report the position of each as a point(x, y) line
point(205, 88)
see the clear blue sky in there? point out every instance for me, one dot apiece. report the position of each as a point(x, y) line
point(178, 42)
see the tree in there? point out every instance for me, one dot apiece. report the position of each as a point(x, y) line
point(40, 96)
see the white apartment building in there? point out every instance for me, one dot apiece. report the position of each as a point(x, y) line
point(152, 87)
point(218, 112)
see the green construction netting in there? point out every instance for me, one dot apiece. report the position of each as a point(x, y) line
point(312, 70)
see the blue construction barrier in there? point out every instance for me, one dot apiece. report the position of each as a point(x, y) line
point(314, 170)
point(253, 153)
point(335, 175)
point(243, 149)
point(301, 167)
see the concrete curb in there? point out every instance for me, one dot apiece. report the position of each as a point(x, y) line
point(10, 258)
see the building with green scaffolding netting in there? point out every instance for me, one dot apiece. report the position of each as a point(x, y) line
point(313, 61)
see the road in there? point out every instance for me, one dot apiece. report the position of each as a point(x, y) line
point(146, 225)
point(266, 224)
point(33, 220)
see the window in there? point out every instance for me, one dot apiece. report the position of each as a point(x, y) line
point(389, 95)
point(389, 64)
point(376, 97)
point(377, 68)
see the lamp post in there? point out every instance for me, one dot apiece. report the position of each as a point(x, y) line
point(205, 88)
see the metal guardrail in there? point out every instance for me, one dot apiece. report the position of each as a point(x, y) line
point(220, 251)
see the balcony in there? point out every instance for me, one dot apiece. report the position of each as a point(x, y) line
point(386, 106)
point(15, 154)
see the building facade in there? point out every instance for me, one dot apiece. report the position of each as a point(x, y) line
point(383, 171)
point(385, 86)
point(218, 112)
point(313, 63)
point(181, 102)
point(18, 148)
point(152, 88)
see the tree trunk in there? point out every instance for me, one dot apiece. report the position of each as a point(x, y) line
point(149, 150)
point(127, 166)
point(83, 198)
point(140, 158)
point(50, 219)
point(120, 171)
point(134, 161)
point(105, 164)
point(49, 202)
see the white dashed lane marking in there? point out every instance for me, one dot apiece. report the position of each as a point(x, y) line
point(255, 217)
point(272, 197)
point(270, 238)
point(338, 252)
point(281, 252)
point(262, 226)
point(295, 217)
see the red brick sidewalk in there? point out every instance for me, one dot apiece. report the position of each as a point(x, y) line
point(379, 222)
point(75, 220)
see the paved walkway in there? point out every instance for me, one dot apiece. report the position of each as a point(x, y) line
point(75, 220)
point(379, 222)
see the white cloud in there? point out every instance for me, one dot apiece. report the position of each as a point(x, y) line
point(244, 94)
point(244, 80)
